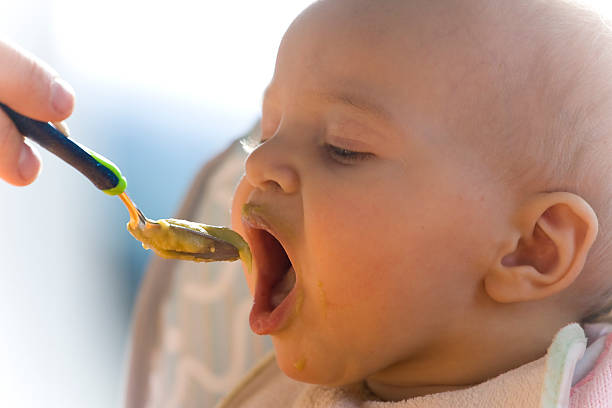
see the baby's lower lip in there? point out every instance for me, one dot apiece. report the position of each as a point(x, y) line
point(265, 319)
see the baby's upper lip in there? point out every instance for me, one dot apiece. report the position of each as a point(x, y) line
point(256, 221)
point(253, 219)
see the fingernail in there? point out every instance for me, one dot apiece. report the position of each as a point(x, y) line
point(28, 163)
point(62, 96)
point(62, 127)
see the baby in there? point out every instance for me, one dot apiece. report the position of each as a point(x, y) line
point(423, 207)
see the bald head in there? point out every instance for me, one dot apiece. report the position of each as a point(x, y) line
point(500, 70)
point(521, 87)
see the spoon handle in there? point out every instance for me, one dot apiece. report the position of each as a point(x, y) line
point(100, 171)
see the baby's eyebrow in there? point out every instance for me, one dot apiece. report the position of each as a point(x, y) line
point(359, 102)
point(351, 99)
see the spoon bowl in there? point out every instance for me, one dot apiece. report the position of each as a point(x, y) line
point(186, 240)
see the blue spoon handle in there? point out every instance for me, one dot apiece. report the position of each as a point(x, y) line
point(99, 170)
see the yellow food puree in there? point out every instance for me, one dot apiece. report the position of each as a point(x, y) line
point(179, 243)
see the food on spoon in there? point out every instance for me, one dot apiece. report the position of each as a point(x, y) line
point(181, 243)
point(187, 240)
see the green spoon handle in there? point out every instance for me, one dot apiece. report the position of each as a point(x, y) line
point(99, 170)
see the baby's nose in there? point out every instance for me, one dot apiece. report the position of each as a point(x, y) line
point(270, 167)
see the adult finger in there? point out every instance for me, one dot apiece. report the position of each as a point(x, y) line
point(32, 88)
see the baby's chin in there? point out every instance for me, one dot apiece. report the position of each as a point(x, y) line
point(320, 370)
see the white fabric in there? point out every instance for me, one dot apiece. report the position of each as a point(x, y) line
point(596, 333)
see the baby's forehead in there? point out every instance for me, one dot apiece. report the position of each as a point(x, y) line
point(490, 51)
point(406, 19)
point(490, 68)
point(493, 29)
point(409, 56)
point(455, 40)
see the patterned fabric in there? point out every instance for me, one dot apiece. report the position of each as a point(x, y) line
point(595, 390)
point(191, 341)
point(562, 357)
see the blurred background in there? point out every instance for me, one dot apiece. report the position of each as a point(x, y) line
point(161, 87)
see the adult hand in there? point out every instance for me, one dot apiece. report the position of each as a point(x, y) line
point(32, 88)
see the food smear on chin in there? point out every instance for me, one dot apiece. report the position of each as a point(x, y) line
point(300, 364)
point(323, 298)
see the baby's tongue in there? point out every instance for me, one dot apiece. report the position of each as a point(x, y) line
point(282, 288)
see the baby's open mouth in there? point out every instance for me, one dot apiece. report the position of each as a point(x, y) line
point(282, 288)
point(276, 278)
point(276, 275)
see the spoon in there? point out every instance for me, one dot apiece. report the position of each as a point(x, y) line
point(180, 239)
point(169, 238)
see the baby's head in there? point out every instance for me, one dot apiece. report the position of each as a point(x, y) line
point(424, 193)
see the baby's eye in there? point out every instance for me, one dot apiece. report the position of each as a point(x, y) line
point(346, 156)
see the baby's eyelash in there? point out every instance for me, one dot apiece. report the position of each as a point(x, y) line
point(346, 156)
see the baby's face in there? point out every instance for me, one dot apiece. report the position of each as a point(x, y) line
point(364, 206)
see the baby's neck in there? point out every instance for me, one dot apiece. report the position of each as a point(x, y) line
point(464, 360)
point(396, 393)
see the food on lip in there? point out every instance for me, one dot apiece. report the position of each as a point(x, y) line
point(262, 216)
point(176, 243)
point(253, 213)
point(249, 208)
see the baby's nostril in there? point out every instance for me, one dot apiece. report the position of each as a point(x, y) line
point(272, 186)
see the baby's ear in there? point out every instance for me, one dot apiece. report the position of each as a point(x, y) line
point(547, 250)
